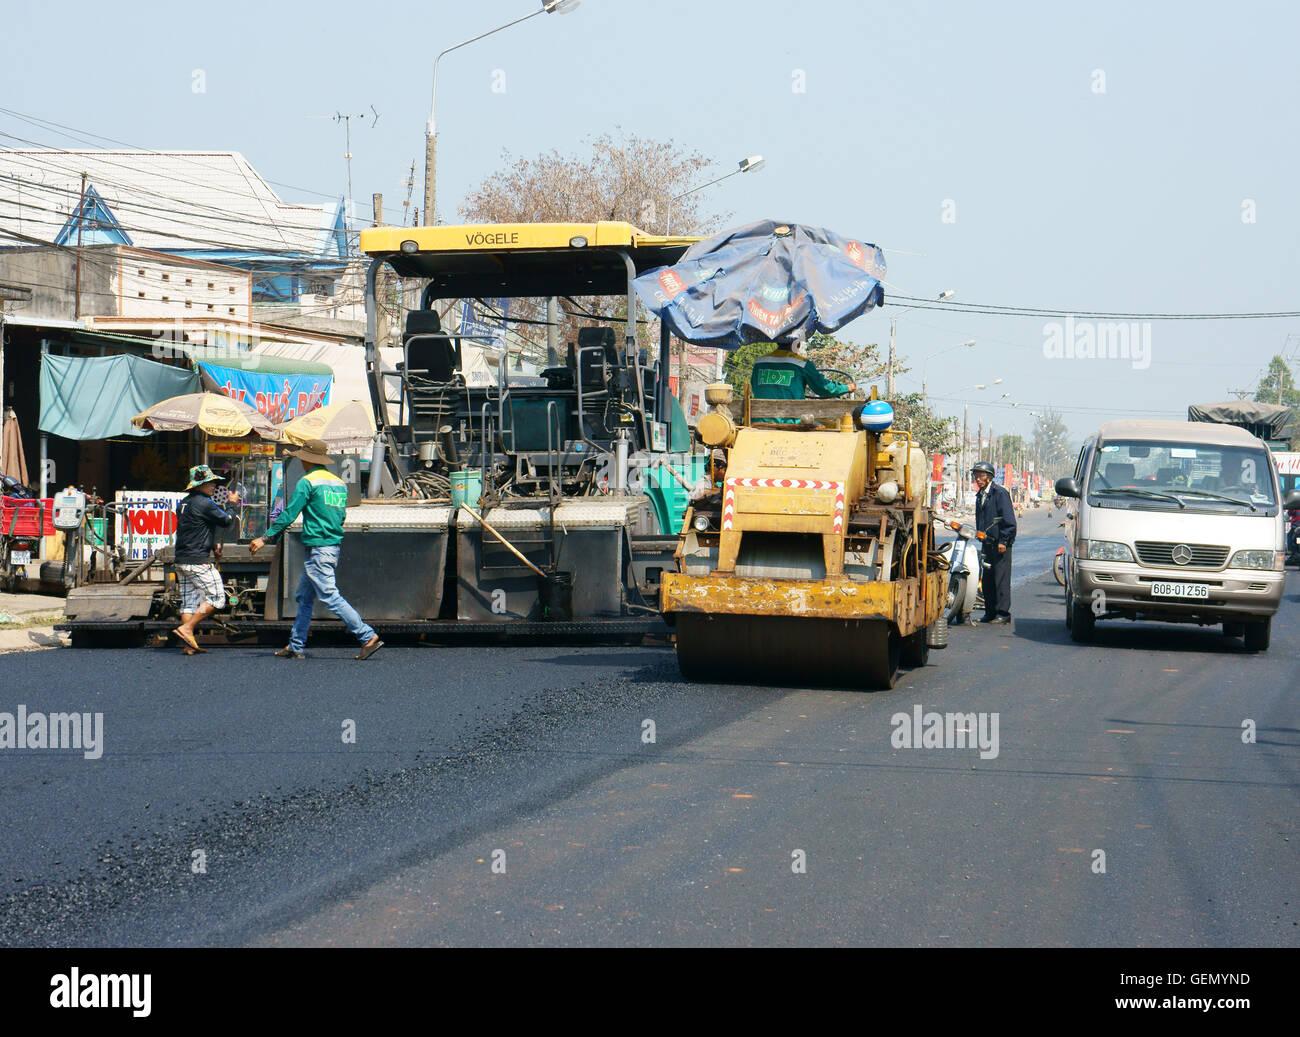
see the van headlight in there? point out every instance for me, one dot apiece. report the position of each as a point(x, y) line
point(1258, 560)
point(1105, 551)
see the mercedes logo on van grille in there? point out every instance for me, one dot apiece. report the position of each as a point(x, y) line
point(1182, 554)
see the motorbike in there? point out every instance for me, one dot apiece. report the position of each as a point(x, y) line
point(1058, 562)
point(1293, 539)
point(21, 519)
point(964, 557)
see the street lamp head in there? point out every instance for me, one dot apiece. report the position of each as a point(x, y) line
point(752, 164)
point(946, 293)
point(997, 381)
point(560, 6)
point(969, 342)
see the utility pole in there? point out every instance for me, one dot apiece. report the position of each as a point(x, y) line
point(893, 328)
point(961, 476)
point(81, 221)
point(383, 318)
point(409, 183)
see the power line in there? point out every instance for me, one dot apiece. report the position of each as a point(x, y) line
point(73, 132)
point(997, 310)
point(108, 184)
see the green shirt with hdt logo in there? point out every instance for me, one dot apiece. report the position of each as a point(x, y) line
point(321, 497)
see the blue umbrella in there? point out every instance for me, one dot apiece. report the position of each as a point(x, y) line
point(765, 282)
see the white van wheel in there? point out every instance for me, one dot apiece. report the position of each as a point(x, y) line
point(1080, 620)
point(1257, 635)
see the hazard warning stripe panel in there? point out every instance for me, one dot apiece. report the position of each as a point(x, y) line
point(729, 498)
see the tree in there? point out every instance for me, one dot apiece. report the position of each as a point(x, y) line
point(1052, 444)
point(861, 363)
point(626, 178)
point(623, 177)
point(1010, 449)
point(932, 432)
point(739, 364)
point(1277, 385)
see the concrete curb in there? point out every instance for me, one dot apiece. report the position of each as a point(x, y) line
point(32, 639)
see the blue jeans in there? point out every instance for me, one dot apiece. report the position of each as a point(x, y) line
point(318, 582)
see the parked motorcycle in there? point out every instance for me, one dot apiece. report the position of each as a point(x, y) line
point(21, 520)
point(966, 565)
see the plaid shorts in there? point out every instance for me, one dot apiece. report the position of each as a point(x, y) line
point(200, 583)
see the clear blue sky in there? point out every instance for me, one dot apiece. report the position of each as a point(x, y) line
point(1127, 200)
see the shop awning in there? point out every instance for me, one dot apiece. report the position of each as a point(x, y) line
point(258, 362)
point(281, 395)
point(96, 397)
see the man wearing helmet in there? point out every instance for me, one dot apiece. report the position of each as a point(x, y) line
point(995, 516)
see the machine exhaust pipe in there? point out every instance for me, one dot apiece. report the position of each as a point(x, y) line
point(449, 452)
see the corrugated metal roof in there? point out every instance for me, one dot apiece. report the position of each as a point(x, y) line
point(164, 200)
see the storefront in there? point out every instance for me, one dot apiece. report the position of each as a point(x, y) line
point(258, 468)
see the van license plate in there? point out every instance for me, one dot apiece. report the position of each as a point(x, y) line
point(20, 558)
point(1199, 591)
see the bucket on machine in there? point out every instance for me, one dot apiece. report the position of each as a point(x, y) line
point(466, 487)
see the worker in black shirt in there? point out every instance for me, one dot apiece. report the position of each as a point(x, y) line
point(202, 591)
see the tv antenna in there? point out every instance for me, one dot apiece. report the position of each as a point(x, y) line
point(346, 119)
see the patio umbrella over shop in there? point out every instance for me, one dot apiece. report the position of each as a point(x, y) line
point(764, 282)
point(212, 412)
point(344, 428)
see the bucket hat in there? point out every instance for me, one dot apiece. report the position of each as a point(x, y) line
point(314, 451)
point(201, 474)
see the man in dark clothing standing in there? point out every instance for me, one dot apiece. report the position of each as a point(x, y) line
point(996, 517)
point(202, 591)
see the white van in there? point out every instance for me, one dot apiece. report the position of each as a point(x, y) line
point(1175, 521)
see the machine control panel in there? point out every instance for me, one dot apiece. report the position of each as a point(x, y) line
point(69, 508)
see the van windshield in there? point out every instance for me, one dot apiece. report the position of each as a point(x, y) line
point(1163, 473)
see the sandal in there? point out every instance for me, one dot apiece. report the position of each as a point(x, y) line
point(370, 648)
point(188, 639)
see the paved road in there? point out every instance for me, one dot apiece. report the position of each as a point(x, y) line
point(1132, 747)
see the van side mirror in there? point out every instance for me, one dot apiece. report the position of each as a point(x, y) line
point(1068, 487)
point(1292, 500)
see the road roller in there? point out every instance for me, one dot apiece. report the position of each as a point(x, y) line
point(810, 558)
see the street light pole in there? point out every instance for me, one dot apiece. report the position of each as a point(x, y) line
point(924, 395)
point(431, 128)
point(746, 165)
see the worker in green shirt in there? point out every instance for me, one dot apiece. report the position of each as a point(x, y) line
point(321, 497)
point(786, 374)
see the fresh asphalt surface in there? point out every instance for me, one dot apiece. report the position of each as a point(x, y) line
point(533, 759)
